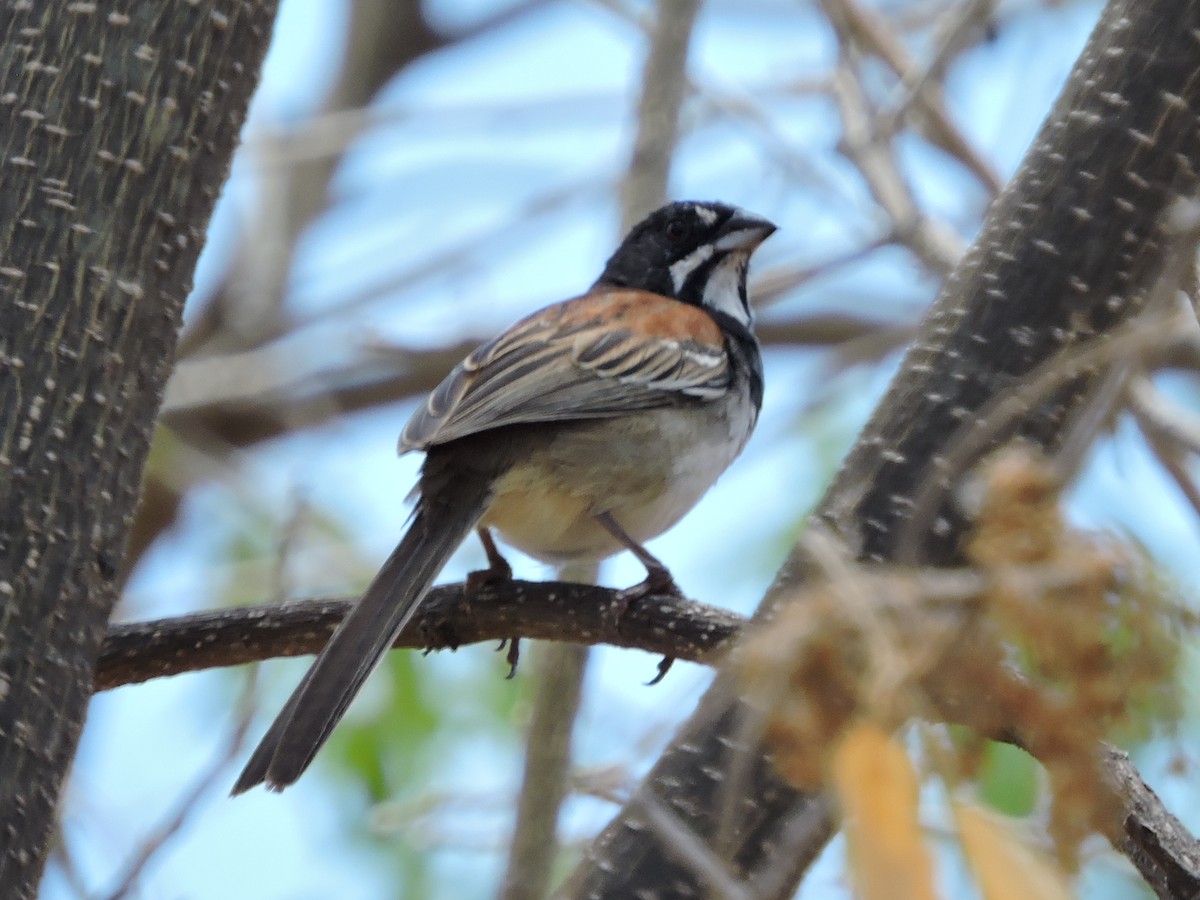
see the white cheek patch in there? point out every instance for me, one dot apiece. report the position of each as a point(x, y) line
point(682, 270)
point(723, 292)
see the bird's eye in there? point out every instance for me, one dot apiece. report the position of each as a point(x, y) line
point(676, 229)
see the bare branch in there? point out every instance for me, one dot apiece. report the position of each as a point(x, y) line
point(935, 244)
point(1156, 842)
point(664, 83)
point(923, 99)
point(578, 613)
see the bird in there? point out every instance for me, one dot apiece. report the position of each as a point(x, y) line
point(585, 429)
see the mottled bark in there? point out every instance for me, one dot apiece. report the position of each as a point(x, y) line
point(117, 125)
point(1070, 250)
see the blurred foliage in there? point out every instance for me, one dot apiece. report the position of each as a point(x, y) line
point(1008, 779)
point(389, 750)
point(1062, 638)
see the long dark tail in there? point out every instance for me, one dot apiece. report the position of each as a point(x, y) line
point(363, 638)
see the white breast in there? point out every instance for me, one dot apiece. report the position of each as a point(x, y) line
point(698, 458)
point(648, 470)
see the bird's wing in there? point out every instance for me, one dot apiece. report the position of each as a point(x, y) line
point(601, 355)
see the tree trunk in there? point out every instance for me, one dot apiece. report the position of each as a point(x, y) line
point(116, 133)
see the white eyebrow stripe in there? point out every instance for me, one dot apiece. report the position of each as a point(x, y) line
point(709, 216)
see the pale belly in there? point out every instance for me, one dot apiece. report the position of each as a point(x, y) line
point(647, 476)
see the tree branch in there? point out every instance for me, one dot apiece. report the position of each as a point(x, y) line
point(547, 610)
point(1156, 842)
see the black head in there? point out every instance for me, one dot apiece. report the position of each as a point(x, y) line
point(694, 252)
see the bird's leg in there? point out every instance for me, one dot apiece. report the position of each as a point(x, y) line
point(658, 578)
point(498, 571)
point(443, 633)
point(658, 581)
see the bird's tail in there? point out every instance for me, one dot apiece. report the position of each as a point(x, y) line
point(363, 638)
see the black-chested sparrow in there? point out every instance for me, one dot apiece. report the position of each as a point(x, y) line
point(585, 429)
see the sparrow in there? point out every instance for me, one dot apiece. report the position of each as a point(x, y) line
point(585, 429)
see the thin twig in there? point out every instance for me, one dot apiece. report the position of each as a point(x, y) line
point(935, 244)
point(864, 28)
point(1165, 437)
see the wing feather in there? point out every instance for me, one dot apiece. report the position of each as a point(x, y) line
point(622, 352)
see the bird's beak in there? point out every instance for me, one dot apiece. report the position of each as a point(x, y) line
point(744, 231)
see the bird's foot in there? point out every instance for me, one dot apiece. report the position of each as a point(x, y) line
point(498, 570)
point(658, 582)
point(482, 578)
point(513, 656)
point(491, 576)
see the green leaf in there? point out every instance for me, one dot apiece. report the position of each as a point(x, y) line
point(394, 737)
point(1008, 779)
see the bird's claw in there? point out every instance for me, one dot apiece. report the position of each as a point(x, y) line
point(512, 657)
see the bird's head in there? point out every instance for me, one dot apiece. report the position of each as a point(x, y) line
point(697, 252)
